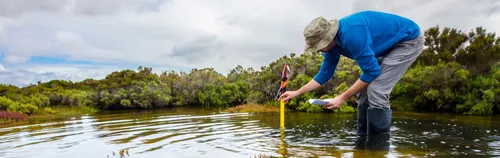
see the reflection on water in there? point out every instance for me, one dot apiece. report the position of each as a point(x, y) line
point(194, 133)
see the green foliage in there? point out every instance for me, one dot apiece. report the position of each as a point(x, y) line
point(23, 108)
point(457, 72)
point(6, 103)
point(49, 110)
point(314, 108)
point(430, 87)
point(346, 108)
point(223, 95)
point(476, 50)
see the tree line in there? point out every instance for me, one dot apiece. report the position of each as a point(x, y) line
point(457, 72)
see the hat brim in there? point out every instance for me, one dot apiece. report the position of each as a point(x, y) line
point(326, 40)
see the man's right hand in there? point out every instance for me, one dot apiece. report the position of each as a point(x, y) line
point(289, 95)
point(311, 85)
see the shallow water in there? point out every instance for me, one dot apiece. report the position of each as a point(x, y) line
point(184, 132)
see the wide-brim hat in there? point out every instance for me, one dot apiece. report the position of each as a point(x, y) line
point(319, 33)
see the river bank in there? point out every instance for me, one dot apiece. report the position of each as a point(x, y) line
point(12, 118)
point(59, 112)
point(275, 108)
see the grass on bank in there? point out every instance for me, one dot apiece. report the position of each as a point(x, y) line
point(254, 108)
point(274, 107)
point(63, 111)
point(47, 112)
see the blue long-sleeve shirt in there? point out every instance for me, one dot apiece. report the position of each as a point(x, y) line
point(363, 37)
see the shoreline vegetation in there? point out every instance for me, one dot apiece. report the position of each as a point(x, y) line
point(13, 117)
point(458, 72)
point(253, 108)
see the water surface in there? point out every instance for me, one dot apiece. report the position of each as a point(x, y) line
point(185, 132)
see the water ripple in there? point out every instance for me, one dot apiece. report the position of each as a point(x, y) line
point(194, 134)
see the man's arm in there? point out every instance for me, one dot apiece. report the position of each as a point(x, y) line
point(358, 86)
point(311, 85)
point(325, 73)
point(328, 67)
point(339, 100)
point(359, 44)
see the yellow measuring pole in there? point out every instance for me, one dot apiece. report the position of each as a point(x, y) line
point(282, 114)
point(284, 80)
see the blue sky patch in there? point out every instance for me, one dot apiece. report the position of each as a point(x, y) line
point(124, 65)
point(2, 55)
point(46, 60)
point(58, 60)
point(50, 60)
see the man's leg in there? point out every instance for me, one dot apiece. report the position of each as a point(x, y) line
point(362, 100)
point(393, 67)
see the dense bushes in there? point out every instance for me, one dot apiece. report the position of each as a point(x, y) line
point(9, 116)
point(448, 87)
point(455, 73)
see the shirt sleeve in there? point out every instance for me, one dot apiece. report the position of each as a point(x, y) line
point(328, 67)
point(358, 42)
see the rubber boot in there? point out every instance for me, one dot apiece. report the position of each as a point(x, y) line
point(379, 121)
point(378, 142)
point(379, 127)
point(362, 121)
point(360, 142)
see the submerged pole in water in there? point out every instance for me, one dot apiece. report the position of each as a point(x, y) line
point(282, 114)
point(283, 145)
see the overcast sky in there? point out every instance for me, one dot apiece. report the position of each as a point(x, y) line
point(91, 38)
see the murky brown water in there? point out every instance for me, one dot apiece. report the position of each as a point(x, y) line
point(194, 133)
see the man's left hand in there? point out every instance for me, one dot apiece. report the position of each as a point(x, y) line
point(336, 103)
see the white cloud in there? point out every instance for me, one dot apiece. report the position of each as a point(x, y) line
point(16, 59)
point(23, 75)
point(67, 37)
point(197, 33)
point(1, 67)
